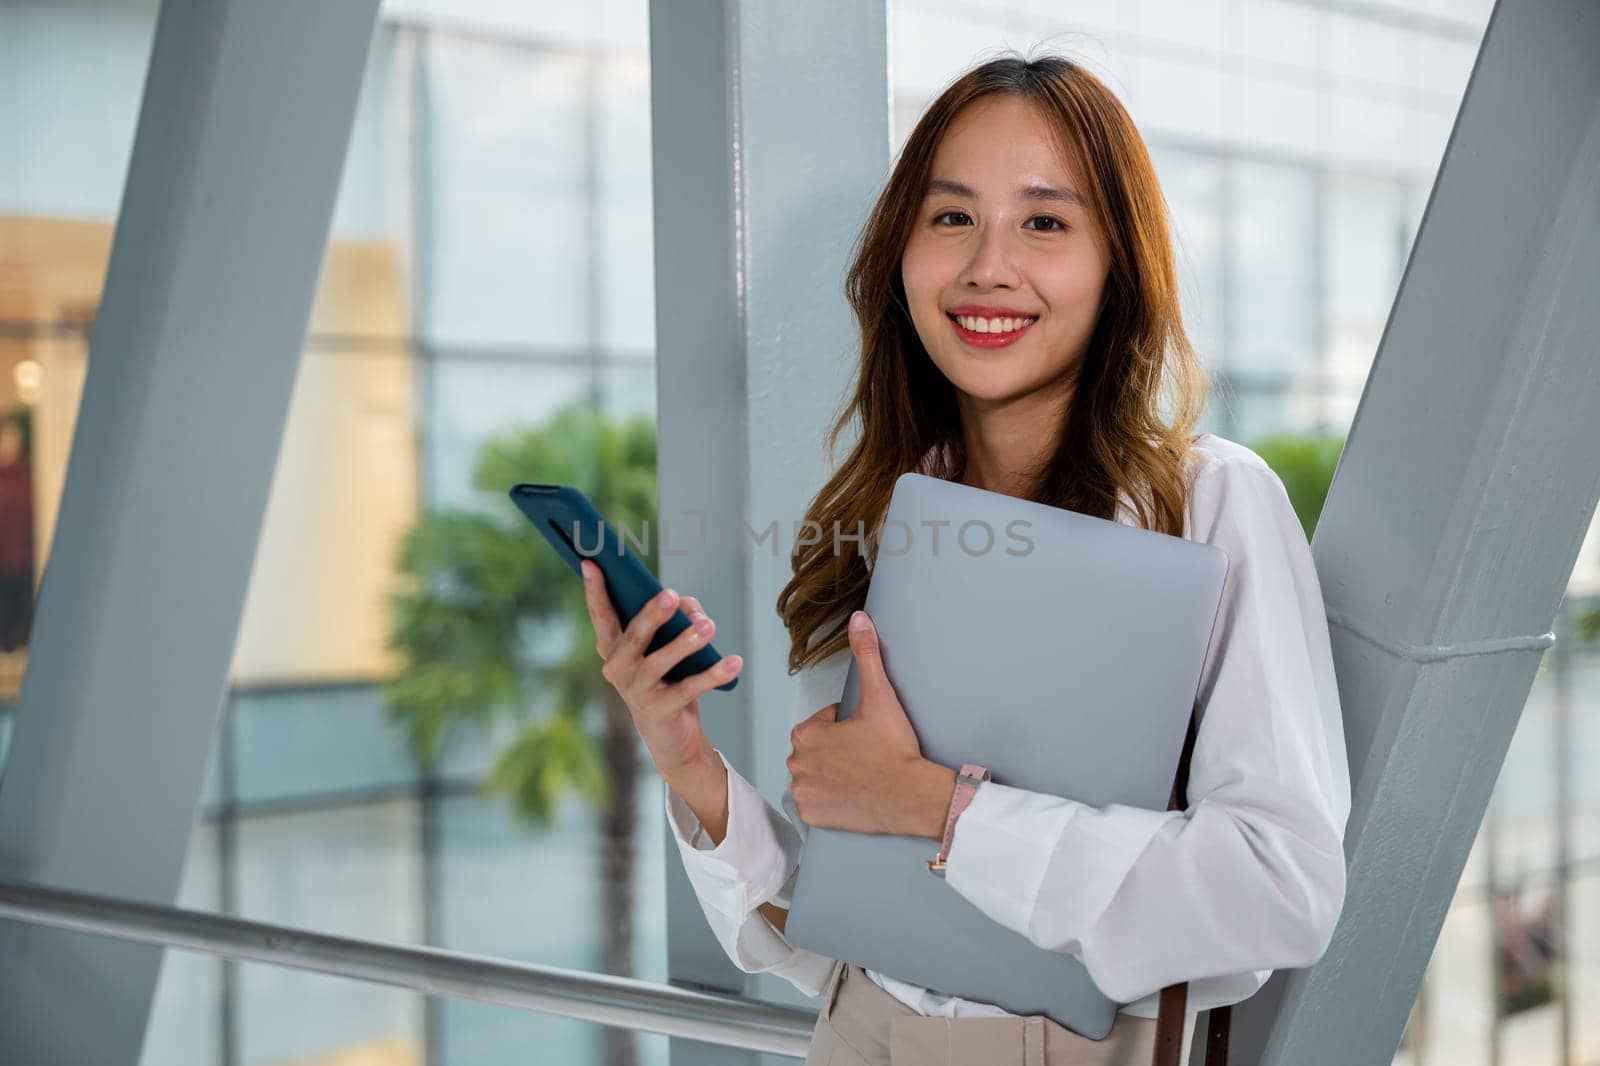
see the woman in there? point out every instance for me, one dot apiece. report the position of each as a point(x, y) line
point(1019, 314)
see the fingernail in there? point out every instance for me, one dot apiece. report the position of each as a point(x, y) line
point(858, 620)
point(665, 599)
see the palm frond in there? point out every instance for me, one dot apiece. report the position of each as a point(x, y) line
point(491, 625)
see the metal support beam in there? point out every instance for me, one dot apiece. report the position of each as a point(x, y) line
point(771, 139)
point(1455, 518)
point(236, 161)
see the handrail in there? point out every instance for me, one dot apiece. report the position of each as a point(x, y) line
point(732, 1021)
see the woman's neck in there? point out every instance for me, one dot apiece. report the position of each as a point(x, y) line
point(1005, 462)
point(1005, 443)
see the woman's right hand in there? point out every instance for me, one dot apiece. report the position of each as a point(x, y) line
point(666, 714)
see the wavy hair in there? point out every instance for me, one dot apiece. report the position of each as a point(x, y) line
point(1114, 438)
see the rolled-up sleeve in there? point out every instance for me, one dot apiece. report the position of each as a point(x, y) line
point(1251, 877)
point(756, 862)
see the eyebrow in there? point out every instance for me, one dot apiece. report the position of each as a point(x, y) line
point(1027, 192)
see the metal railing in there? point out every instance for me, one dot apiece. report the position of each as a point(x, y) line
point(732, 1021)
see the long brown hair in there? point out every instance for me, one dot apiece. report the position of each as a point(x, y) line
point(1114, 437)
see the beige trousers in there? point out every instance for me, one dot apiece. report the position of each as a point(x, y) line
point(862, 1025)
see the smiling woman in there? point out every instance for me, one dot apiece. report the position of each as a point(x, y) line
point(1020, 332)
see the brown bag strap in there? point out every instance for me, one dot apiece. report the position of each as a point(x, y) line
point(1174, 998)
point(1169, 1025)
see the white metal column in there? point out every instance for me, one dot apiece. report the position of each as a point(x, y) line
point(1452, 526)
point(236, 161)
point(771, 138)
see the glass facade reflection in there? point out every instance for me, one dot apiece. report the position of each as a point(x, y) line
point(490, 263)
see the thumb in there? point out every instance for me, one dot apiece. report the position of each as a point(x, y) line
point(869, 656)
point(830, 713)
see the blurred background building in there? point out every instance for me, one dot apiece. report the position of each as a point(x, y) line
point(491, 263)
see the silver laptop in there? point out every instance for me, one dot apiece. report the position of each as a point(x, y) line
point(1061, 651)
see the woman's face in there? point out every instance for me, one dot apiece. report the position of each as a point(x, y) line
point(984, 246)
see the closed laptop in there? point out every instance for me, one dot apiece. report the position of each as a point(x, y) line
point(1061, 651)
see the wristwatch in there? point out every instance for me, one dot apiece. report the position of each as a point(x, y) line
point(967, 781)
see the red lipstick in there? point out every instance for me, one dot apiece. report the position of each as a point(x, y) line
point(988, 340)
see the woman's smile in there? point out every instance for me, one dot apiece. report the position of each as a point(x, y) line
point(992, 332)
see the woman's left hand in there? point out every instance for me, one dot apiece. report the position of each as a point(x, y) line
point(866, 774)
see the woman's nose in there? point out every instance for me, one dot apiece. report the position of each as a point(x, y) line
point(990, 264)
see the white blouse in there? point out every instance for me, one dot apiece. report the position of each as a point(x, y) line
point(1248, 880)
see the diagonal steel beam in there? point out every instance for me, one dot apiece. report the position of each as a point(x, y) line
point(236, 161)
point(1453, 523)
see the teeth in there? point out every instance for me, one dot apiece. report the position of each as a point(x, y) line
point(993, 325)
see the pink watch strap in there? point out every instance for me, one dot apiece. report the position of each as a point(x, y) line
point(967, 781)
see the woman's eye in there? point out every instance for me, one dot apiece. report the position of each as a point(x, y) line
point(1055, 224)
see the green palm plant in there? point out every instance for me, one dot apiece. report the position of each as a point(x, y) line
point(485, 626)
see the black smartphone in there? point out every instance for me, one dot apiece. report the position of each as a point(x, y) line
point(578, 531)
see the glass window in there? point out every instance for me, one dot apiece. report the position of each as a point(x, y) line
point(628, 389)
point(1274, 290)
point(512, 894)
point(354, 871)
point(1583, 964)
point(1522, 878)
point(903, 118)
point(458, 302)
point(1453, 1022)
point(300, 743)
point(463, 1033)
point(1586, 570)
point(1365, 246)
point(1339, 404)
point(510, 204)
point(1529, 961)
point(71, 79)
point(369, 203)
point(344, 491)
point(470, 400)
point(1580, 689)
point(1255, 408)
point(1525, 798)
point(626, 216)
point(1192, 183)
